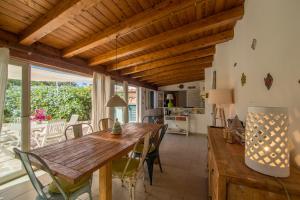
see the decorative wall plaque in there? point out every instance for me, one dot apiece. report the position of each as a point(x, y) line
point(268, 81)
point(243, 79)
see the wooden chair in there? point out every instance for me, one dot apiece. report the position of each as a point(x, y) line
point(130, 169)
point(153, 152)
point(77, 130)
point(104, 123)
point(59, 189)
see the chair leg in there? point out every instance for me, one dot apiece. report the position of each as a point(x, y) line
point(131, 191)
point(90, 195)
point(150, 163)
point(159, 163)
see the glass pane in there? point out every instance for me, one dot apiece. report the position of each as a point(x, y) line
point(132, 103)
point(118, 112)
point(11, 128)
point(58, 99)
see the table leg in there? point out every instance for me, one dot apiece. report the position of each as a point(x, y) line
point(105, 182)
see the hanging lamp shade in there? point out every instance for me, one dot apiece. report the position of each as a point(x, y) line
point(116, 101)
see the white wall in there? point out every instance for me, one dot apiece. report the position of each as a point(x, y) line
point(275, 25)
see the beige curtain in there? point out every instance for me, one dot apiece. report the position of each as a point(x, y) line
point(100, 95)
point(125, 110)
point(4, 56)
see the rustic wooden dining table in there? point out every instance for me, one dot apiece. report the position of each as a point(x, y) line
point(76, 158)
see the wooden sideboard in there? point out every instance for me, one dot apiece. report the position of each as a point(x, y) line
point(230, 179)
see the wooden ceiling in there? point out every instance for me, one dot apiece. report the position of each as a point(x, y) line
point(157, 42)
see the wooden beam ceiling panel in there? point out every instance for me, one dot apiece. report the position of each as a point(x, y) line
point(178, 80)
point(156, 71)
point(174, 75)
point(172, 51)
point(182, 81)
point(200, 26)
point(44, 55)
point(168, 74)
point(63, 12)
point(137, 21)
point(202, 56)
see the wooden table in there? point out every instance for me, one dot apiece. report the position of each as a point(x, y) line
point(76, 158)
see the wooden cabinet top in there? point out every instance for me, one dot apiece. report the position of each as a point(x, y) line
point(229, 159)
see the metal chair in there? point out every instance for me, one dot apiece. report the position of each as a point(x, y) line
point(103, 124)
point(77, 130)
point(153, 152)
point(129, 169)
point(44, 192)
point(153, 119)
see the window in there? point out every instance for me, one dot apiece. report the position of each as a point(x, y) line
point(118, 112)
point(132, 104)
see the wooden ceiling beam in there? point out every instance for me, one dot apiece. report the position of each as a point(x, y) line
point(40, 54)
point(168, 74)
point(157, 71)
point(137, 21)
point(209, 23)
point(203, 57)
point(61, 13)
point(173, 51)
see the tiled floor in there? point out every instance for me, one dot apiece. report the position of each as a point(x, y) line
point(184, 162)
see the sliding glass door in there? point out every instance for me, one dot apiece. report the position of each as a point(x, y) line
point(13, 133)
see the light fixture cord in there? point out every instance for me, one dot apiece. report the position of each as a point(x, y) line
point(116, 65)
point(284, 188)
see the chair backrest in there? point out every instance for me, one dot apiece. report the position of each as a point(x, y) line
point(54, 132)
point(162, 133)
point(152, 119)
point(73, 119)
point(146, 143)
point(77, 130)
point(26, 159)
point(105, 123)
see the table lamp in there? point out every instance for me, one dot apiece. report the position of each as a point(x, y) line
point(266, 141)
point(170, 98)
point(113, 102)
point(220, 97)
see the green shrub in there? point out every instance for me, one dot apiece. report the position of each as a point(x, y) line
point(59, 102)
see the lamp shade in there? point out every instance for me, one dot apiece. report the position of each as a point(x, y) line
point(170, 96)
point(116, 101)
point(220, 96)
point(266, 148)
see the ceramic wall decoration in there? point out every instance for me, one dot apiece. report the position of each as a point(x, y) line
point(268, 81)
point(243, 79)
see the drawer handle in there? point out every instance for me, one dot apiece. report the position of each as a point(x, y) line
point(212, 171)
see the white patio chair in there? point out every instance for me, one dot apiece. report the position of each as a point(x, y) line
point(73, 120)
point(53, 133)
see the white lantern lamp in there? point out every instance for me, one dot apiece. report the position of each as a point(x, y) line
point(266, 141)
point(113, 102)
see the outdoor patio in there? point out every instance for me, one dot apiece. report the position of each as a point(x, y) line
point(48, 120)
